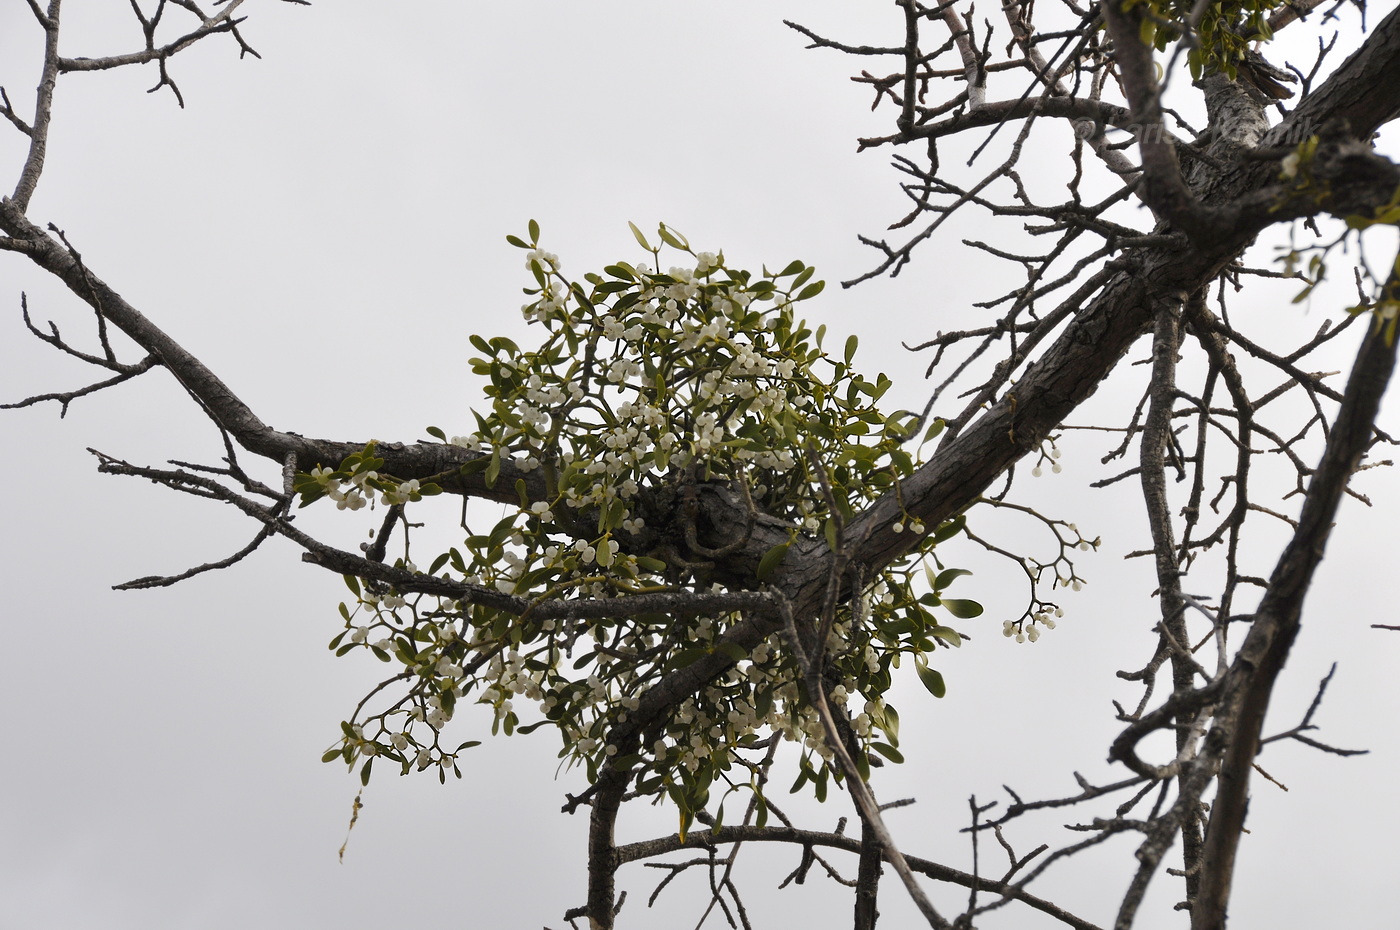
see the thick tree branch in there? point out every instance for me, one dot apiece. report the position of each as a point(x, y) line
point(1156, 436)
point(1364, 90)
point(439, 461)
point(1252, 675)
point(43, 109)
point(1163, 188)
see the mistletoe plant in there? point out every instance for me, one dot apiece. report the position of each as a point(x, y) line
point(646, 386)
point(1220, 32)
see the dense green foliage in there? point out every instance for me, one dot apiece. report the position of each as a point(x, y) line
point(1220, 38)
point(647, 384)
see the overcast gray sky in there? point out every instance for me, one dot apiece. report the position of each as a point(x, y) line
point(324, 228)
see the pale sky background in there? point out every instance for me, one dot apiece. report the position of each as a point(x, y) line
point(324, 228)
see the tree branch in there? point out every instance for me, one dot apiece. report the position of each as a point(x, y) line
point(1255, 669)
point(43, 108)
point(705, 839)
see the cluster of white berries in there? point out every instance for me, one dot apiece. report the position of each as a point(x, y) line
point(1054, 456)
point(357, 490)
point(1040, 619)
